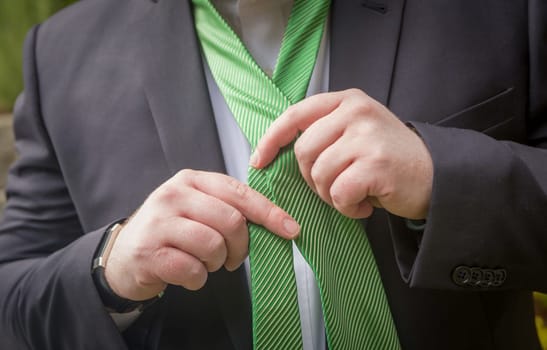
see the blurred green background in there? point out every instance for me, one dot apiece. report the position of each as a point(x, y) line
point(16, 18)
point(541, 318)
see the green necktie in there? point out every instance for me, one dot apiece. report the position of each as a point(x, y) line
point(356, 312)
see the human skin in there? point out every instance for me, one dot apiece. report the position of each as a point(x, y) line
point(354, 153)
point(194, 223)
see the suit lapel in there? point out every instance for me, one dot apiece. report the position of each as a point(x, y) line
point(364, 41)
point(232, 293)
point(176, 89)
point(179, 102)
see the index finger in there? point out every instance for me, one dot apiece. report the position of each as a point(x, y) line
point(286, 127)
point(252, 204)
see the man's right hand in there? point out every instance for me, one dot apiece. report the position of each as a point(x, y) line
point(194, 223)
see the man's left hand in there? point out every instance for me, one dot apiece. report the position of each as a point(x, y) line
point(354, 153)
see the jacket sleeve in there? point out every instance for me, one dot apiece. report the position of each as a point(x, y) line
point(487, 224)
point(48, 297)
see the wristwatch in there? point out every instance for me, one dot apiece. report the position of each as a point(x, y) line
point(112, 301)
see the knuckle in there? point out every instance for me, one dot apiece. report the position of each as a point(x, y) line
point(215, 246)
point(301, 152)
point(185, 175)
point(379, 157)
point(317, 176)
point(362, 107)
point(240, 189)
point(196, 276)
point(355, 92)
point(235, 260)
point(346, 208)
point(363, 127)
point(338, 200)
point(166, 193)
point(164, 264)
point(271, 214)
point(165, 260)
point(236, 221)
point(339, 197)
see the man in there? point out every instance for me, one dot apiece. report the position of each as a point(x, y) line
point(120, 112)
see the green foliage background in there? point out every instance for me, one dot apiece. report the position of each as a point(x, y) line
point(16, 18)
point(541, 318)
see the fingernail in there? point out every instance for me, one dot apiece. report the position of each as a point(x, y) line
point(254, 159)
point(291, 227)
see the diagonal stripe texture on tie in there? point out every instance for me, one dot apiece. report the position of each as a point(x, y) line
point(355, 307)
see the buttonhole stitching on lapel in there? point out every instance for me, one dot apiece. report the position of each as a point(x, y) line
point(375, 6)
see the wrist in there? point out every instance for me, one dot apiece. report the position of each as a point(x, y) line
point(112, 300)
point(423, 167)
point(126, 286)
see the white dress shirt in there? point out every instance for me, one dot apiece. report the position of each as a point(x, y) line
point(260, 25)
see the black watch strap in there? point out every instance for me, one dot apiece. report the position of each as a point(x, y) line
point(112, 302)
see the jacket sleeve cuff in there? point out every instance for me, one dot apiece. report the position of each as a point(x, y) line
point(62, 302)
point(476, 222)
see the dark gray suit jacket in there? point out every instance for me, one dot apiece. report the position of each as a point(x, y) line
point(115, 103)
